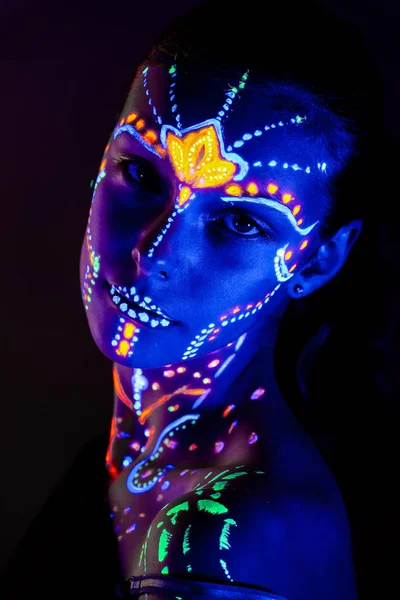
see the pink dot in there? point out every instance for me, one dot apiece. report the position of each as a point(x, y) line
point(233, 425)
point(257, 394)
point(218, 447)
point(253, 438)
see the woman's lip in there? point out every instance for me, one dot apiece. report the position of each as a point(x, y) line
point(142, 302)
point(138, 313)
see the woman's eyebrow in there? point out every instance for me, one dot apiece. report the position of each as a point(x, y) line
point(130, 134)
point(272, 203)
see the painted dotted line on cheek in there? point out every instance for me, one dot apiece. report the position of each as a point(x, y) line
point(161, 235)
point(92, 273)
point(211, 332)
point(93, 268)
point(177, 210)
point(283, 255)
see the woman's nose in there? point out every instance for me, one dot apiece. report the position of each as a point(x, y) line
point(145, 266)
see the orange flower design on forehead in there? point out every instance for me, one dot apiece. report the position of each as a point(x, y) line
point(198, 158)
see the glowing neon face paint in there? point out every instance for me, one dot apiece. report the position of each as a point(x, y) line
point(203, 285)
point(93, 268)
point(204, 159)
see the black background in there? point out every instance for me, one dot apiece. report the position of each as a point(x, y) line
point(65, 71)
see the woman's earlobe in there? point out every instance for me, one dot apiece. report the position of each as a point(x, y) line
point(298, 290)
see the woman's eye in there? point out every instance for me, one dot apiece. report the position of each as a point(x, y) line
point(141, 173)
point(241, 224)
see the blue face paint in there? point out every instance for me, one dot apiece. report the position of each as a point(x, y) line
point(180, 279)
point(165, 147)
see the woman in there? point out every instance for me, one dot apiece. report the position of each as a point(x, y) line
point(230, 187)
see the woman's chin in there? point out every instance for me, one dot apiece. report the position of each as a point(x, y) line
point(139, 354)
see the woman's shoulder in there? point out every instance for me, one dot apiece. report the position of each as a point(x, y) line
point(237, 528)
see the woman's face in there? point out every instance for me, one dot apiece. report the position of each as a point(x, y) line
point(219, 197)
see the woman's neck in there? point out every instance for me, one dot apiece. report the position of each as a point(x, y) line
point(146, 401)
point(232, 389)
point(204, 379)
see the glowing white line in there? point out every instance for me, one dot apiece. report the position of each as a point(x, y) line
point(240, 341)
point(224, 365)
point(201, 399)
point(274, 204)
point(129, 482)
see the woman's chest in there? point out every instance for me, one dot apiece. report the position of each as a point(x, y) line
point(182, 455)
point(135, 511)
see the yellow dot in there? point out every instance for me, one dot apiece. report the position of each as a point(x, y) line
point(169, 373)
point(213, 363)
point(296, 209)
point(123, 348)
point(304, 244)
point(129, 330)
point(252, 188)
point(184, 195)
point(150, 136)
point(234, 190)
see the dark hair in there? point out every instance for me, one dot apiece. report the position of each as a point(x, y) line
point(302, 57)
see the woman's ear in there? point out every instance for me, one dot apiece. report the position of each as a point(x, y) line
point(326, 263)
